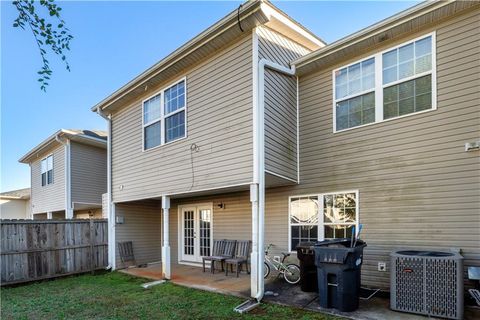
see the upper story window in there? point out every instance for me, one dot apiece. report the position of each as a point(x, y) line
point(164, 116)
point(393, 83)
point(355, 94)
point(47, 170)
point(407, 78)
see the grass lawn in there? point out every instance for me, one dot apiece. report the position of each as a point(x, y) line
point(119, 296)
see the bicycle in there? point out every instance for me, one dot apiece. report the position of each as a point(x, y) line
point(290, 272)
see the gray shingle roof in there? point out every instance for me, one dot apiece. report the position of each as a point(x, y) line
point(80, 135)
point(100, 134)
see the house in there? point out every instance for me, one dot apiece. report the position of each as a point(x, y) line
point(257, 129)
point(68, 175)
point(15, 204)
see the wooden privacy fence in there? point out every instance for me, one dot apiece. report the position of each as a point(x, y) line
point(40, 249)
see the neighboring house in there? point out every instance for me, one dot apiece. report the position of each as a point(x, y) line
point(68, 175)
point(256, 129)
point(15, 204)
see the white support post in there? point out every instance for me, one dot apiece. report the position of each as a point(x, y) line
point(112, 248)
point(166, 242)
point(49, 215)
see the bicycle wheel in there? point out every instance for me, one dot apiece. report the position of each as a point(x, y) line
point(292, 273)
point(266, 270)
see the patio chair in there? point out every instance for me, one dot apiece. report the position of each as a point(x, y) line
point(242, 253)
point(125, 250)
point(228, 252)
point(217, 250)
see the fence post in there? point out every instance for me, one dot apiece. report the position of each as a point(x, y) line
point(92, 261)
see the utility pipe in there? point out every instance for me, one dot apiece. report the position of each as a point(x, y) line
point(110, 209)
point(258, 221)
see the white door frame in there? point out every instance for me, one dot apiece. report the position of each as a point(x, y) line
point(196, 207)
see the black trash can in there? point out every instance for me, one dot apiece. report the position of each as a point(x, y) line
point(338, 271)
point(308, 270)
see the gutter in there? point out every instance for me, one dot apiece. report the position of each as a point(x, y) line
point(110, 210)
point(258, 221)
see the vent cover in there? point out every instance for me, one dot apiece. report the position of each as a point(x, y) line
point(427, 282)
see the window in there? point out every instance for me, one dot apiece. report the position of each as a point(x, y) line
point(354, 94)
point(47, 170)
point(303, 220)
point(164, 116)
point(390, 84)
point(409, 69)
point(339, 215)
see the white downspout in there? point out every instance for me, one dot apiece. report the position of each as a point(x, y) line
point(110, 206)
point(259, 175)
point(68, 183)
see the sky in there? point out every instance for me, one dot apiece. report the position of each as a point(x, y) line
point(114, 42)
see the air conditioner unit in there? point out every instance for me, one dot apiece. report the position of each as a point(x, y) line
point(427, 282)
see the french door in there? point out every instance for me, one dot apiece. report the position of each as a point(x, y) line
point(196, 232)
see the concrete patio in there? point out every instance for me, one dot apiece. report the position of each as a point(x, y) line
point(194, 277)
point(376, 308)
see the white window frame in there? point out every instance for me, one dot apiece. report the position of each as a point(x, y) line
point(321, 223)
point(379, 86)
point(163, 116)
point(41, 170)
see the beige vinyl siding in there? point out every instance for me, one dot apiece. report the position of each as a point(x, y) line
point(142, 226)
point(418, 187)
point(280, 103)
point(88, 173)
point(50, 197)
point(280, 124)
point(276, 47)
point(218, 121)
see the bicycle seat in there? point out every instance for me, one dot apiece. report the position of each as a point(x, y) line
point(285, 254)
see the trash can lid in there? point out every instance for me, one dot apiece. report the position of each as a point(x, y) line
point(344, 243)
point(305, 245)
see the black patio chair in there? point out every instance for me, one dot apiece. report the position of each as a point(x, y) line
point(242, 252)
point(228, 252)
point(217, 250)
